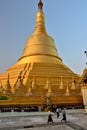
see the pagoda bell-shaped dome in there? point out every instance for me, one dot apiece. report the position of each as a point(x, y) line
point(40, 47)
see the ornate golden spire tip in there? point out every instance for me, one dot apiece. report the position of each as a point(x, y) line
point(40, 4)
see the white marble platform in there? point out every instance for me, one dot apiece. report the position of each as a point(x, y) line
point(38, 120)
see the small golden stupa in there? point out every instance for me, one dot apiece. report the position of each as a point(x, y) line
point(40, 77)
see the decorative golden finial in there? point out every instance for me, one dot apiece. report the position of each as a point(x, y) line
point(40, 4)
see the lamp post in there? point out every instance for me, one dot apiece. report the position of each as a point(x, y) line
point(85, 80)
point(86, 55)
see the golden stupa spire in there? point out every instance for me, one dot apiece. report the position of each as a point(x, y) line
point(40, 20)
point(40, 47)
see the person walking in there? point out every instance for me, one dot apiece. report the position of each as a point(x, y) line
point(50, 120)
point(64, 115)
point(57, 111)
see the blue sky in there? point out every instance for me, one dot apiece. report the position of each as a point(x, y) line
point(65, 20)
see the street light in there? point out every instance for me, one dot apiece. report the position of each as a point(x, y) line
point(84, 89)
point(86, 55)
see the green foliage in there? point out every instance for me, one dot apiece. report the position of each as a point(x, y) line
point(3, 98)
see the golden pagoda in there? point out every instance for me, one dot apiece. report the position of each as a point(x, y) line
point(40, 78)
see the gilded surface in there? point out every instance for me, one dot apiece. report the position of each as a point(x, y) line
point(40, 73)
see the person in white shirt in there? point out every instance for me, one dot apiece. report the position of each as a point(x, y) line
point(57, 111)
